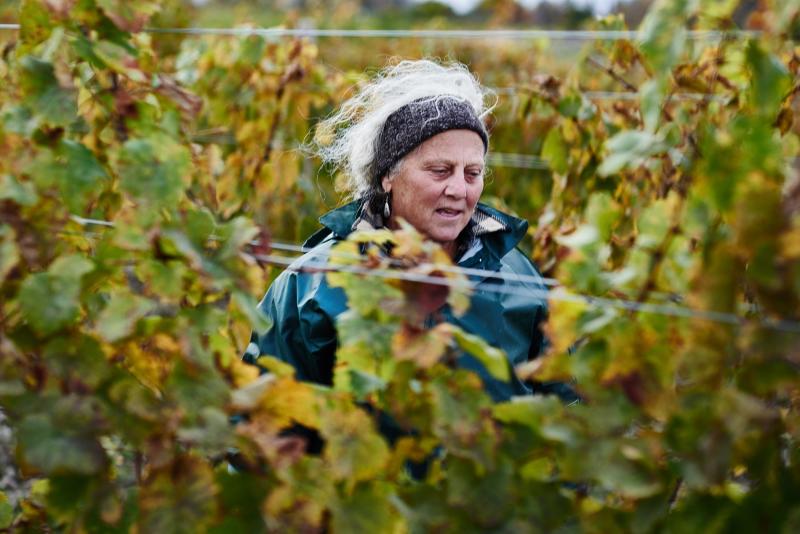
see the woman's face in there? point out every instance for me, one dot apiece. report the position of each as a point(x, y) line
point(438, 185)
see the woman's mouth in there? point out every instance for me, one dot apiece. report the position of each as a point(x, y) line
point(449, 213)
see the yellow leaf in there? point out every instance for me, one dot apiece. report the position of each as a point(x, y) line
point(243, 373)
point(790, 244)
point(354, 449)
point(424, 347)
point(561, 328)
point(285, 401)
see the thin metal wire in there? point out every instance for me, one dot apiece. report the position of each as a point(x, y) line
point(518, 161)
point(455, 269)
point(630, 95)
point(619, 95)
point(91, 222)
point(561, 35)
point(627, 305)
point(569, 35)
point(290, 247)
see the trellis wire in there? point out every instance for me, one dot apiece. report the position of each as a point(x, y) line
point(619, 95)
point(517, 161)
point(455, 269)
point(628, 305)
point(561, 35)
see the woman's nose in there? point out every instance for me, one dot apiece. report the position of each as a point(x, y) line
point(456, 185)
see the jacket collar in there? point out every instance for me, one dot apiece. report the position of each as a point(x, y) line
point(499, 231)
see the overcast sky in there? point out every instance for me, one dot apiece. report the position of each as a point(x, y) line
point(600, 6)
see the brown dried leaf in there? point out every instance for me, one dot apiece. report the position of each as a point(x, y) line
point(189, 103)
point(548, 85)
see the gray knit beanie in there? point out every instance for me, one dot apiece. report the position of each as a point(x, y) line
point(418, 121)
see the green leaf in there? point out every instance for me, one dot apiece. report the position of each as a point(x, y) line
point(179, 497)
point(81, 176)
point(152, 171)
point(76, 172)
point(359, 383)
point(367, 294)
point(655, 222)
point(651, 98)
point(367, 509)
point(6, 511)
point(211, 433)
point(461, 417)
point(51, 449)
point(50, 300)
point(364, 347)
point(22, 193)
point(44, 94)
point(249, 307)
point(77, 358)
point(241, 512)
point(487, 495)
point(718, 9)
point(662, 35)
point(541, 469)
point(603, 213)
point(554, 151)
point(19, 120)
point(71, 266)
point(117, 58)
point(621, 474)
point(196, 387)
point(200, 226)
point(628, 149)
point(163, 278)
point(570, 105)
point(36, 22)
point(528, 411)
point(585, 236)
point(120, 315)
point(725, 164)
point(235, 235)
point(770, 80)
point(492, 358)
point(69, 496)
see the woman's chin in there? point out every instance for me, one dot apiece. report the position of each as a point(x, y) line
point(444, 238)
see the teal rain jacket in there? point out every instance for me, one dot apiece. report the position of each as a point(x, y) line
point(303, 307)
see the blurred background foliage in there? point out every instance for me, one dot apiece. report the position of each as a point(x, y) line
point(658, 172)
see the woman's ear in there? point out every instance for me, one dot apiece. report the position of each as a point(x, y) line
point(387, 184)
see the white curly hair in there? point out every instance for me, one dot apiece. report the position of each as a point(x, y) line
point(348, 139)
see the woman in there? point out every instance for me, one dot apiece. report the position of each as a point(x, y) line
point(413, 146)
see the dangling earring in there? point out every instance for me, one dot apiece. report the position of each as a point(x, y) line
point(387, 210)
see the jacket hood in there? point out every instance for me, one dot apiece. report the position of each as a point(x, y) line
point(499, 231)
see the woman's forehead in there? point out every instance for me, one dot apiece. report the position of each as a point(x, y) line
point(452, 145)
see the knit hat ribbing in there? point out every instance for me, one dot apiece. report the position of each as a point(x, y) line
point(418, 121)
